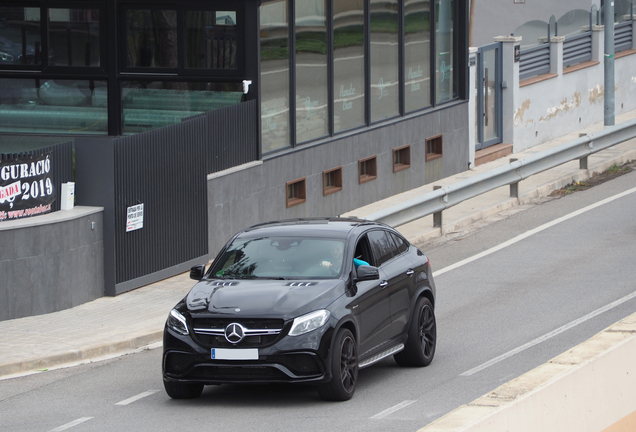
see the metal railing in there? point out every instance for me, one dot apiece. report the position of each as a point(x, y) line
point(511, 174)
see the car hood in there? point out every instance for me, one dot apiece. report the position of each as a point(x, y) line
point(263, 298)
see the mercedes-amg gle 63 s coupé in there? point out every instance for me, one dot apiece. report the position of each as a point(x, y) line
point(302, 301)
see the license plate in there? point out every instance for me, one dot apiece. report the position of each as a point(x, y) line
point(234, 354)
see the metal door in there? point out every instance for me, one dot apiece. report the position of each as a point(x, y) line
point(489, 114)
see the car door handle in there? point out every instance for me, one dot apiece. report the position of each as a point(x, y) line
point(383, 284)
point(410, 272)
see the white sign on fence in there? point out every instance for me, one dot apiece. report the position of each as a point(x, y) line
point(135, 217)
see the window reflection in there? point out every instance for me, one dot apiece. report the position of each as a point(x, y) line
point(210, 39)
point(274, 27)
point(311, 70)
point(151, 38)
point(73, 37)
point(20, 42)
point(151, 105)
point(348, 67)
point(384, 59)
point(444, 50)
point(58, 106)
point(417, 52)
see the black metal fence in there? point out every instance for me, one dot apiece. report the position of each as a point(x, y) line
point(164, 170)
point(232, 136)
point(61, 164)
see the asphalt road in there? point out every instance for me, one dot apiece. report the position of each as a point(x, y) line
point(498, 316)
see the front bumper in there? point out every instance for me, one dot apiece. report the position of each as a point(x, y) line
point(299, 359)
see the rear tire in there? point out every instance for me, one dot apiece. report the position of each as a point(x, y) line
point(177, 390)
point(420, 345)
point(344, 369)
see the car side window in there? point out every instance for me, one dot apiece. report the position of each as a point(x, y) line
point(363, 252)
point(400, 244)
point(382, 246)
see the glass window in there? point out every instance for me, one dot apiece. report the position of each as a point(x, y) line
point(20, 42)
point(210, 39)
point(445, 88)
point(280, 257)
point(151, 38)
point(151, 105)
point(274, 30)
point(382, 246)
point(311, 70)
point(73, 37)
point(417, 53)
point(348, 67)
point(57, 106)
point(400, 244)
point(384, 59)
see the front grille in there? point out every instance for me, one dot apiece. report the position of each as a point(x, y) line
point(213, 341)
point(178, 362)
point(221, 323)
point(240, 373)
point(210, 332)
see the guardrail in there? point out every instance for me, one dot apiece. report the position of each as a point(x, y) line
point(511, 174)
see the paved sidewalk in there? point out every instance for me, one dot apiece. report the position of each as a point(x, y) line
point(112, 326)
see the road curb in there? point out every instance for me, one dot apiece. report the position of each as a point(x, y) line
point(91, 353)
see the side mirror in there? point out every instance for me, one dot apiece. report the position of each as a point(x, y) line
point(197, 272)
point(367, 273)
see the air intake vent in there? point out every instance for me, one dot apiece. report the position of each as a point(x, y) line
point(301, 284)
point(219, 283)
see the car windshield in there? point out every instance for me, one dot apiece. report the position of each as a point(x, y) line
point(280, 258)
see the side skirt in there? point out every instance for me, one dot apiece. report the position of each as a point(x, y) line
point(376, 358)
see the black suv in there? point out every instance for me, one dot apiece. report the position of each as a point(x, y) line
point(305, 300)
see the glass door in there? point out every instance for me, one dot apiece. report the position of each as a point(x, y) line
point(488, 107)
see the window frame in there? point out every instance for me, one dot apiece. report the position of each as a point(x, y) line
point(181, 70)
point(438, 144)
point(364, 178)
point(401, 166)
point(328, 190)
point(64, 70)
point(301, 196)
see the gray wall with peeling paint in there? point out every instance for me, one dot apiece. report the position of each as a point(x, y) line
point(570, 101)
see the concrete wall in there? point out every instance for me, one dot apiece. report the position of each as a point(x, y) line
point(256, 192)
point(589, 388)
point(51, 262)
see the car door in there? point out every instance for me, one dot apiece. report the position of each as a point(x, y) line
point(397, 276)
point(371, 307)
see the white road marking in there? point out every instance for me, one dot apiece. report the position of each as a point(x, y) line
point(550, 335)
point(530, 233)
point(136, 398)
point(391, 410)
point(71, 424)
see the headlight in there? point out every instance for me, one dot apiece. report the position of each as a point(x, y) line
point(309, 322)
point(6, 57)
point(177, 322)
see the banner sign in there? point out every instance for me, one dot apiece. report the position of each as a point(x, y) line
point(26, 187)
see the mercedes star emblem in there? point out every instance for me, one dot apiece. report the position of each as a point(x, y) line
point(234, 333)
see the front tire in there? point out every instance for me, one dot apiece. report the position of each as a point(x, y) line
point(177, 390)
point(420, 345)
point(344, 369)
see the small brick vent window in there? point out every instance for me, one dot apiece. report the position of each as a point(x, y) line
point(296, 192)
point(332, 181)
point(433, 148)
point(401, 158)
point(367, 169)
